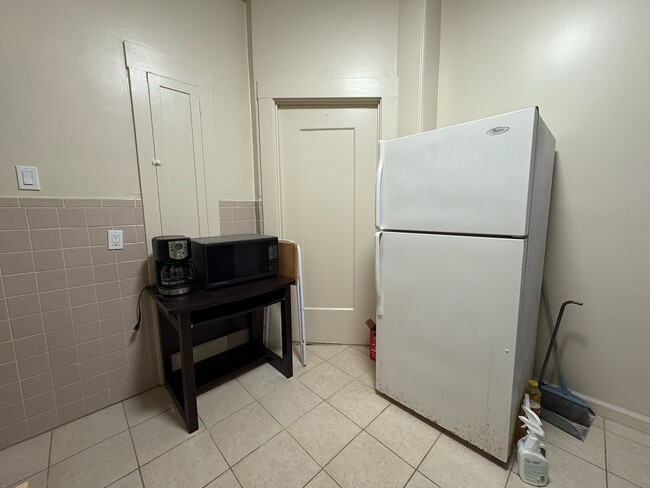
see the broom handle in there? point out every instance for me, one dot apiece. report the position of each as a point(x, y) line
point(549, 323)
point(554, 336)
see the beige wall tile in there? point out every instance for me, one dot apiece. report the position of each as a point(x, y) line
point(89, 350)
point(140, 233)
point(251, 227)
point(46, 239)
point(123, 391)
point(99, 216)
point(10, 394)
point(55, 300)
point(68, 394)
point(143, 253)
point(8, 373)
point(239, 227)
point(77, 257)
point(94, 385)
point(82, 202)
point(40, 404)
point(75, 237)
point(130, 269)
point(13, 434)
point(7, 354)
point(48, 260)
point(72, 217)
point(96, 401)
point(14, 241)
point(87, 332)
point(129, 253)
point(36, 385)
point(111, 308)
point(71, 411)
point(118, 376)
point(139, 215)
point(238, 214)
point(42, 423)
point(131, 287)
point(11, 414)
point(114, 343)
point(130, 236)
point(80, 276)
point(92, 367)
point(102, 255)
point(57, 319)
point(23, 305)
point(13, 218)
point(33, 365)
point(61, 358)
point(43, 218)
point(16, 262)
point(59, 338)
point(5, 329)
point(105, 273)
point(227, 228)
point(99, 235)
point(30, 346)
point(83, 295)
point(130, 304)
point(107, 291)
point(52, 280)
point(20, 284)
point(226, 214)
point(115, 360)
point(66, 376)
point(4, 314)
point(9, 202)
point(123, 216)
point(85, 314)
point(112, 325)
point(27, 326)
point(41, 202)
point(118, 202)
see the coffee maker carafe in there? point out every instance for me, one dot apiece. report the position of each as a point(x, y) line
point(173, 268)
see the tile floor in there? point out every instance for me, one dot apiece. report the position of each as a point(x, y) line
point(324, 428)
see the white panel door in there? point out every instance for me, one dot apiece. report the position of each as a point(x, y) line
point(327, 170)
point(446, 330)
point(471, 178)
point(178, 148)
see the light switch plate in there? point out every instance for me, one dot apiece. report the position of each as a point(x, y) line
point(28, 178)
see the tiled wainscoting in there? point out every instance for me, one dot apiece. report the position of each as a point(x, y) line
point(241, 217)
point(67, 307)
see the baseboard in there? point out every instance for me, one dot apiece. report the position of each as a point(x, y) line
point(618, 414)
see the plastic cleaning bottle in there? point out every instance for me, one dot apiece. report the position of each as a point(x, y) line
point(535, 395)
point(531, 459)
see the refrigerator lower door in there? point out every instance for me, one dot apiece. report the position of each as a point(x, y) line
point(447, 331)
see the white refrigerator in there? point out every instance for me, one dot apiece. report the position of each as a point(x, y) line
point(461, 216)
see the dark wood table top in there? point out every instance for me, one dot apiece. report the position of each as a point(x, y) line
point(201, 299)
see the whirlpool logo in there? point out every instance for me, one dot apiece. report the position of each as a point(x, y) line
point(497, 131)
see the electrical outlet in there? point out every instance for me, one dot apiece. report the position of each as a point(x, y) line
point(115, 239)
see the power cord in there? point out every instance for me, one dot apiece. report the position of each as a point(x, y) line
point(136, 327)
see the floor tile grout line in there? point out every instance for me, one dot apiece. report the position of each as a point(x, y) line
point(89, 447)
point(575, 455)
point(605, 449)
point(627, 438)
point(135, 452)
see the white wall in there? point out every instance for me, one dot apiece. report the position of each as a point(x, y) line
point(316, 39)
point(64, 89)
point(586, 65)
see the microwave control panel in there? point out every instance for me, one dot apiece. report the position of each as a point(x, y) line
point(273, 257)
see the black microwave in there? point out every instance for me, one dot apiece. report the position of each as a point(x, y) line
point(226, 260)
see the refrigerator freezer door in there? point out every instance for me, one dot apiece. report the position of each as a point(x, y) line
point(447, 331)
point(472, 178)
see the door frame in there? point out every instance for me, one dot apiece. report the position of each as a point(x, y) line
point(139, 62)
point(272, 95)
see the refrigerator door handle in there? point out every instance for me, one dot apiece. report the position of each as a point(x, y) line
point(380, 305)
point(380, 169)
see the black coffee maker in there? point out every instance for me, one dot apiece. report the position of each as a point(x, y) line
point(173, 268)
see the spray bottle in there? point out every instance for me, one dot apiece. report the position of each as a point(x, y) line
point(531, 452)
